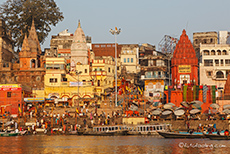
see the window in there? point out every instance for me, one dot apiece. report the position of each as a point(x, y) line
point(209, 74)
point(159, 74)
point(109, 69)
point(213, 52)
point(8, 94)
point(32, 63)
point(224, 52)
point(131, 60)
point(206, 52)
point(217, 62)
point(227, 62)
point(227, 72)
point(211, 40)
point(208, 62)
point(53, 80)
point(85, 70)
point(128, 60)
point(117, 68)
point(218, 52)
point(222, 62)
point(124, 60)
point(219, 74)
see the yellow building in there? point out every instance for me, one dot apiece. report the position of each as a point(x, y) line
point(61, 85)
point(102, 74)
point(88, 78)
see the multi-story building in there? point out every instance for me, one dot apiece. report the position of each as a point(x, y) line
point(154, 73)
point(102, 74)
point(88, 78)
point(214, 64)
point(7, 56)
point(26, 68)
point(129, 57)
point(62, 86)
point(203, 38)
point(108, 49)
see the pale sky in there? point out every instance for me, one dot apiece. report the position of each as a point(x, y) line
point(141, 21)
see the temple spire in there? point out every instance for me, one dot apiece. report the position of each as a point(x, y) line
point(79, 24)
point(25, 44)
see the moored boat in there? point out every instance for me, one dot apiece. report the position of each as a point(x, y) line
point(182, 135)
point(6, 134)
point(107, 131)
point(217, 137)
point(147, 129)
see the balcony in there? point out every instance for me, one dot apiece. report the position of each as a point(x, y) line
point(98, 73)
point(146, 77)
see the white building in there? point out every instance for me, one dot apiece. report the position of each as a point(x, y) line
point(214, 64)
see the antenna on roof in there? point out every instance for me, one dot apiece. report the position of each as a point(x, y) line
point(187, 25)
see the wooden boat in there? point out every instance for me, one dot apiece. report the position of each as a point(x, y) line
point(76, 132)
point(6, 134)
point(93, 133)
point(181, 135)
point(217, 137)
point(147, 129)
point(107, 131)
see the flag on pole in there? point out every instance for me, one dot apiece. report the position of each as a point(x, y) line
point(126, 88)
point(19, 109)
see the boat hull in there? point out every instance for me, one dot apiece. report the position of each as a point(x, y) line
point(91, 133)
point(9, 134)
point(178, 135)
point(217, 137)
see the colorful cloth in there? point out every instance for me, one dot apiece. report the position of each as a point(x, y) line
point(185, 93)
point(197, 92)
point(194, 92)
point(189, 94)
point(205, 89)
point(213, 94)
point(169, 94)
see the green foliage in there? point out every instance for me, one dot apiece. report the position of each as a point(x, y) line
point(18, 15)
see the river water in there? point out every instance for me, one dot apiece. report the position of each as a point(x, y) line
point(109, 144)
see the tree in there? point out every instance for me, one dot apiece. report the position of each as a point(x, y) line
point(18, 16)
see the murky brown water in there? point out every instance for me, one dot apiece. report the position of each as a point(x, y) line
point(111, 144)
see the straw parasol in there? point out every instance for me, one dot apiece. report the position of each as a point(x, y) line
point(196, 102)
point(179, 112)
point(185, 104)
point(226, 111)
point(226, 106)
point(167, 112)
point(214, 106)
point(157, 112)
point(194, 111)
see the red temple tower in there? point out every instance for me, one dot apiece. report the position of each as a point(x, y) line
point(184, 64)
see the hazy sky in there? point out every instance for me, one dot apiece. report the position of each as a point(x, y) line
point(141, 21)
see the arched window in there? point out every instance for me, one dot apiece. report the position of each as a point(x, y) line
point(218, 52)
point(211, 40)
point(219, 74)
point(206, 52)
point(32, 63)
point(224, 52)
point(213, 52)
